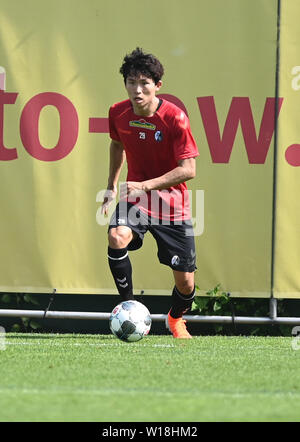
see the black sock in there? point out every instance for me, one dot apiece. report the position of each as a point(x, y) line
point(121, 270)
point(181, 303)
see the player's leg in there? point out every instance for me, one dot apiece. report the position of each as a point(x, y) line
point(122, 238)
point(183, 293)
point(119, 237)
point(182, 298)
point(176, 249)
point(118, 259)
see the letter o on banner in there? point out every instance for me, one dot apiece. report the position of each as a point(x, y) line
point(29, 126)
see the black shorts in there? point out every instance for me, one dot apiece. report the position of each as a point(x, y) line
point(175, 240)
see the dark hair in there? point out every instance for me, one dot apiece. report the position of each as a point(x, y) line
point(138, 63)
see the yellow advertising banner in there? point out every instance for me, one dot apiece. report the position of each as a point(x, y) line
point(287, 215)
point(59, 75)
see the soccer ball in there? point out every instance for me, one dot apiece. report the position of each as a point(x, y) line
point(130, 321)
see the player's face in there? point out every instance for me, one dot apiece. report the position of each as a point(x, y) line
point(141, 92)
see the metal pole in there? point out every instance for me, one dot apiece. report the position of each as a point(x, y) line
point(275, 157)
point(273, 308)
point(155, 317)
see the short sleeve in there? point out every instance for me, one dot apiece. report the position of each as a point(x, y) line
point(112, 128)
point(184, 143)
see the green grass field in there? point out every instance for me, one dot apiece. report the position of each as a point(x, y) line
point(56, 377)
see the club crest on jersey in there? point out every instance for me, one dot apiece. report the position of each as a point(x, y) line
point(158, 135)
point(142, 124)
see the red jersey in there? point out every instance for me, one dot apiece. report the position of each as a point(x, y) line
point(153, 147)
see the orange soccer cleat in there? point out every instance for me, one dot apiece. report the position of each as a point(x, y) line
point(177, 327)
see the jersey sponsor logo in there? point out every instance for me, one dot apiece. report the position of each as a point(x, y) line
point(158, 135)
point(142, 124)
point(175, 260)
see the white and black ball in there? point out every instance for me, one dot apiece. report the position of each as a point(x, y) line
point(130, 321)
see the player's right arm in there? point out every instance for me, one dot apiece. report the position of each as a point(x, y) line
point(116, 161)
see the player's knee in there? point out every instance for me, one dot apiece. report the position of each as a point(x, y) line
point(186, 286)
point(119, 238)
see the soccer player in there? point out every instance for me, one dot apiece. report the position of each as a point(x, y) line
point(154, 137)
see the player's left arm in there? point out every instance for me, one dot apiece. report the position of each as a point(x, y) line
point(186, 170)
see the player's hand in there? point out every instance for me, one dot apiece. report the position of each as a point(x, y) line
point(132, 189)
point(109, 196)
